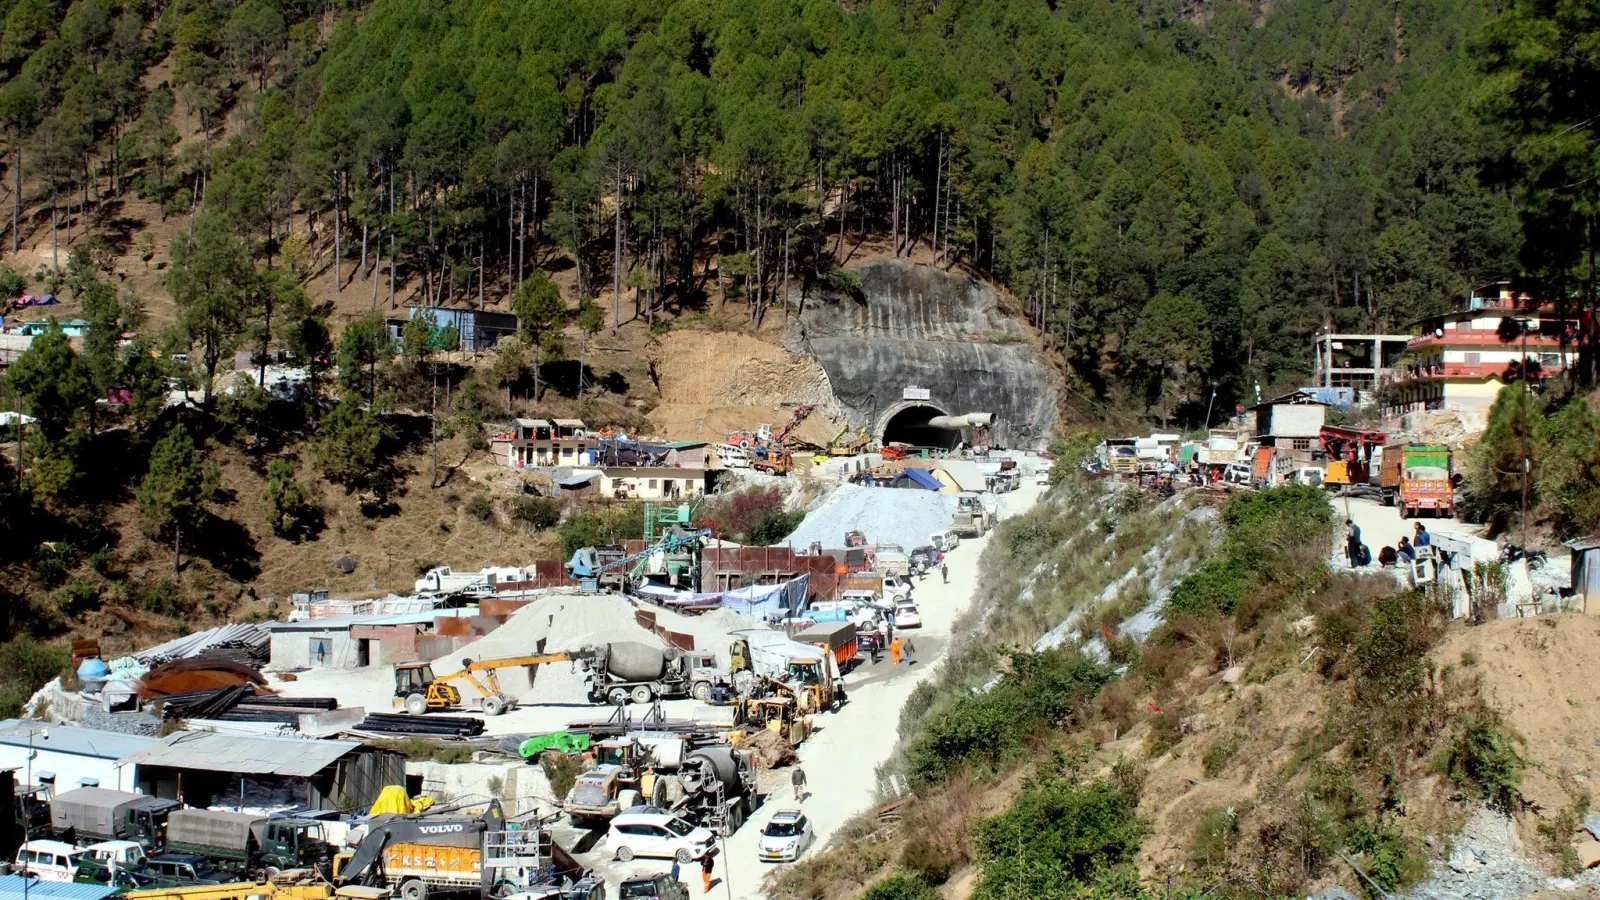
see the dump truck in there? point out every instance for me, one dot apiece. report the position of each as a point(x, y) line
point(836, 638)
point(712, 786)
point(630, 671)
point(972, 517)
point(1417, 477)
point(809, 674)
point(250, 890)
point(885, 585)
point(453, 851)
point(90, 815)
point(249, 844)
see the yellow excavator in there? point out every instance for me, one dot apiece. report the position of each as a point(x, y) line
point(418, 691)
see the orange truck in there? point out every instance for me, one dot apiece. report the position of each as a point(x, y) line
point(837, 638)
point(1417, 477)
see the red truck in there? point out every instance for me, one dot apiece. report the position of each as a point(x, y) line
point(1417, 477)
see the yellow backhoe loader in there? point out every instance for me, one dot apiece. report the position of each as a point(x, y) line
point(418, 691)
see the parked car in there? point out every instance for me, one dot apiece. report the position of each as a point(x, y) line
point(925, 558)
point(786, 837)
point(654, 887)
point(1042, 479)
point(906, 615)
point(944, 541)
point(590, 888)
point(177, 870)
point(1238, 473)
point(657, 834)
point(48, 860)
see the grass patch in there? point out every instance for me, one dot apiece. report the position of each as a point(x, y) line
point(421, 748)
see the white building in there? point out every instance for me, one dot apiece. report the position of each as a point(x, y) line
point(68, 756)
point(651, 483)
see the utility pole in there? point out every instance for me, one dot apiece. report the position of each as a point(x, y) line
point(433, 428)
point(1523, 323)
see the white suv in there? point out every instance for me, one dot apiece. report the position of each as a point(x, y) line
point(657, 834)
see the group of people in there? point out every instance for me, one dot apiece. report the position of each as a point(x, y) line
point(902, 647)
point(1406, 552)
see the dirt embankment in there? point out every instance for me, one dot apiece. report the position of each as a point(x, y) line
point(1543, 675)
point(713, 382)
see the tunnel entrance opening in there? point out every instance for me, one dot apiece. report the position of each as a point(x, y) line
point(910, 426)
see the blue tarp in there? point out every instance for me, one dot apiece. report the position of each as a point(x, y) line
point(768, 601)
point(924, 478)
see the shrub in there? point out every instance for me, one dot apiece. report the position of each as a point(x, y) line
point(538, 512)
point(1056, 833)
point(25, 666)
point(1215, 836)
point(1040, 689)
point(901, 887)
point(1482, 761)
point(774, 527)
point(600, 526)
point(562, 770)
point(1218, 755)
point(479, 508)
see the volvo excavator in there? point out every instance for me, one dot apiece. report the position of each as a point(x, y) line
point(418, 690)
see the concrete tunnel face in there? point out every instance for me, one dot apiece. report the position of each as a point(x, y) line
point(909, 425)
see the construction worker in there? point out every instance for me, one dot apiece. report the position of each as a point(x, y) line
point(706, 865)
point(798, 779)
point(945, 571)
point(894, 651)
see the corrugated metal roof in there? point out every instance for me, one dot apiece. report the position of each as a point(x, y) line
point(12, 886)
point(579, 480)
point(242, 755)
point(1578, 545)
point(71, 739)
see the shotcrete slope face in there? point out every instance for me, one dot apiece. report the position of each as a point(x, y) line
point(918, 326)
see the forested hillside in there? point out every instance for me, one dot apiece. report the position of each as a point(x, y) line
point(1180, 192)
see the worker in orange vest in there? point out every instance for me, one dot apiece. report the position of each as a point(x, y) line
point(894, 651)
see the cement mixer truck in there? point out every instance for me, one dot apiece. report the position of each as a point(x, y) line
point(712, 785)
point(630, 671)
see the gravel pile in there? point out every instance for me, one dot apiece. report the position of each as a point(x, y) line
point(884, 515)
point(1485, 864)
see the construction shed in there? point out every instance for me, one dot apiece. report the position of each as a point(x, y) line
point(203, 768)
point(1292, 422)
point(358, 641)
point(68, 756)
point(18, 887)
point(1586, 570)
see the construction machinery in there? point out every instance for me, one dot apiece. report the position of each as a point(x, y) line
point(630, 671)
point(418, 690)
point(860, 443)
point(789, 667)
point(772, 460)
point(1418, 477)
point(250, 890)
point(1350, 452)
point(711, 785)
point(593, 567)
point(800, 412)
point(972, 517)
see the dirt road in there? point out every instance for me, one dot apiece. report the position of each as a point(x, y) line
point(1381, 526)
point(841, 759)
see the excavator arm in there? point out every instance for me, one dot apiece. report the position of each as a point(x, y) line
point(490, 685)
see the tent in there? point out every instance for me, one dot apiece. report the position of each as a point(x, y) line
point(768, 601)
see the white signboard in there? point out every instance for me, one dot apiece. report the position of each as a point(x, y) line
point(912, 392)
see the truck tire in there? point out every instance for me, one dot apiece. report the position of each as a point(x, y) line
point(413, 889)
point(271, 873)
point(641, 694)
point(627, 799)
point(617, 696)
point(625, 854)
point(416, 705)
point(494, 705)
point(701, 691)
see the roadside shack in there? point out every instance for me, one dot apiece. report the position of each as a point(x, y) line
point(203, 768)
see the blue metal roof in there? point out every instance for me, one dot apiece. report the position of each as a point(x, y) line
point(72, 739)
point(923, 478)
point(12, 886)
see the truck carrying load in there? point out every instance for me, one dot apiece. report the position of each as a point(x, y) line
point(1418, 477)
point(243, 842)
point(99, 814)
point(838, 638)
point(626, 671)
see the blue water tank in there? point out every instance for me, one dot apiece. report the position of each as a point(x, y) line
point(93, 667)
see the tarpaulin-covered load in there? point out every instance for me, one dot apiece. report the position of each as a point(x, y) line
point(678, 599)
point(185, 676)
point(99, 812)
point(768, 601)
point(770, 652)
point(212, 828)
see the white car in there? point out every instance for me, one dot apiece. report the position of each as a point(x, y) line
point(48, 860)
point(657, 834)
point(786, 837)
point(906, 615)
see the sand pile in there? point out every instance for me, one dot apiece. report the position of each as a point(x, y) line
point(884, 515)
point(563, 622)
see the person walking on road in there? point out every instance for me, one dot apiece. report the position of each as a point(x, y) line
point(706, 866)
point(1352, 543)
point(677, 870)
point(945, 571)
point(910, 650)
point(894, 651)
point(798, 779)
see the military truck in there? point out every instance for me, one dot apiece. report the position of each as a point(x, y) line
point(92, 814)
point(249, 844)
